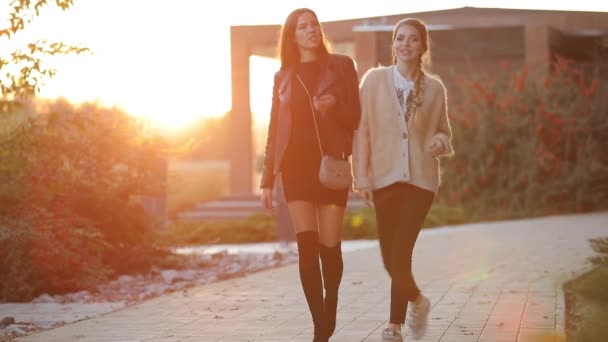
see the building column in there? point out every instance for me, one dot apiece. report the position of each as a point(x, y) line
point(240, 137)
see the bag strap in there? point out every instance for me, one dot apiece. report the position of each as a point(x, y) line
point(312, 111)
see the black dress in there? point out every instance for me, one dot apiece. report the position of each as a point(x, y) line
point(302, 159)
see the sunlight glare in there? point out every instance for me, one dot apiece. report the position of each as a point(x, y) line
point(151, 66)
point(262, 70)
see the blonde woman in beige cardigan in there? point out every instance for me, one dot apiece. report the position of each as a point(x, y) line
point(404, 129)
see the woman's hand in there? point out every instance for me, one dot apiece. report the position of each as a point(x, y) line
point(267, 200)
point(436, 146)
point(324, 102)
point(367, 196)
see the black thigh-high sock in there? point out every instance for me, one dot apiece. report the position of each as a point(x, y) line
point(331, 259)
point(312, 284)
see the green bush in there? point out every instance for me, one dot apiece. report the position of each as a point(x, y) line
point(70, 218)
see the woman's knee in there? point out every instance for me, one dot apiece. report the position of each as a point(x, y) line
point(330, 225)
point(330, 242)
point(330, 236)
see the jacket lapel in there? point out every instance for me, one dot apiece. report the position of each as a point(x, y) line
point(327, 80)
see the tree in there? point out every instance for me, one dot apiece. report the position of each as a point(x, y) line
point(23, 70)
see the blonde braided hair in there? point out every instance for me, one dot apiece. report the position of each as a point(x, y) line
point(415, 98)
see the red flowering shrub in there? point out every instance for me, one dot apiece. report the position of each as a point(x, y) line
point(528, 146)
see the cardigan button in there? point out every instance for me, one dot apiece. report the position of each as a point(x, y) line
point(404, 135)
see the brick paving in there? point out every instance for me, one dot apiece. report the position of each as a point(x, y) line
point(499, 281)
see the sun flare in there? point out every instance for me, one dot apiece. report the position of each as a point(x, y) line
point(169, 97)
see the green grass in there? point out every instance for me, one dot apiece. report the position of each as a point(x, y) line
point(587, 312)
point(357, 224)
point(254, 229)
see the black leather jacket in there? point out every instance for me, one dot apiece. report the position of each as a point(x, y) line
point(336, 128)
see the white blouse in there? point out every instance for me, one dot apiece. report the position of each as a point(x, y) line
point(403, 87)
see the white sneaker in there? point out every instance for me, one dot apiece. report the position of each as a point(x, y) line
point(389, 334)
point(419, 316)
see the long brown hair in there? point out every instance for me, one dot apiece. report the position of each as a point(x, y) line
point(288, 49)
point(414, 100)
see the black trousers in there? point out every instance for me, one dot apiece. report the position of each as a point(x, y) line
point(401, 209)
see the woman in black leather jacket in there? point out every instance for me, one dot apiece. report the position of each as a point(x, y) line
point(310, 76)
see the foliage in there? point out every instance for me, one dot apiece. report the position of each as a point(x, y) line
point(23, 71)
point(70, 213)
point(44, 252)
point(600, 246)
point(528, 146)
point(253, 229)
point(587, 299)
point(23, 11)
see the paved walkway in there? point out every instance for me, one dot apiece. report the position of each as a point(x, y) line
point(487, 282)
